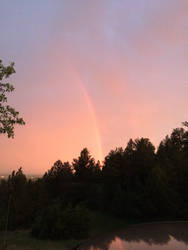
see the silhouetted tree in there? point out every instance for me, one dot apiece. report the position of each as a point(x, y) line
point(8, 115)
point(114, 164)
point(85, 165)
point(59, 170)
point(140, 158)
point(57, 179)
point(20, 214)
point(134, 183)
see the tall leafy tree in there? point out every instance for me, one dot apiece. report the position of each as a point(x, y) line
point(57, 179)
point(59, 170)
point(8, 115)
point(140, 157)
point(84, 165)
point(114, 164)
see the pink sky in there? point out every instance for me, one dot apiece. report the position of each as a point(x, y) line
point(92, 74)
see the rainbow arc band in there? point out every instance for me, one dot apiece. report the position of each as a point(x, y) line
point(92, 113)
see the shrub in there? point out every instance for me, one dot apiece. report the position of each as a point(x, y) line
point(58, 223)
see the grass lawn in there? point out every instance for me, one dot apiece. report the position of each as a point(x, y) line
point(101, 224)
point(22, 240)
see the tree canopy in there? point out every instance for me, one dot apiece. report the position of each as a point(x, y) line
point(9, 117)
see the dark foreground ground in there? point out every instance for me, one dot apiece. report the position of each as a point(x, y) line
point(21, 240)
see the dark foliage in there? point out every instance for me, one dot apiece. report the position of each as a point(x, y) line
point(135, 183)
point(59, 222)
point(9, 117)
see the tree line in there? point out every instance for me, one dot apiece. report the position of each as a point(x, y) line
point(135, 183)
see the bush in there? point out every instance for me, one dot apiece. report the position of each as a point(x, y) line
point(58, 223)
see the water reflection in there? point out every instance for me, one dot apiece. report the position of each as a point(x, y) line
point(145, 236)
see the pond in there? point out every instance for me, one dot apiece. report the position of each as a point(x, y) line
point(155, 236)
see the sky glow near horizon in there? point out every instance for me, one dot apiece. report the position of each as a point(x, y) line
point(92, 74)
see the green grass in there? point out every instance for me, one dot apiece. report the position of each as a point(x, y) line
point(101, 225)
point(22, 240)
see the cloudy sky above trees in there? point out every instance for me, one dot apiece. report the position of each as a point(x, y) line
point(92, 74)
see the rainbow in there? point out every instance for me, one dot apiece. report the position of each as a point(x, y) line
point(92, 113)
